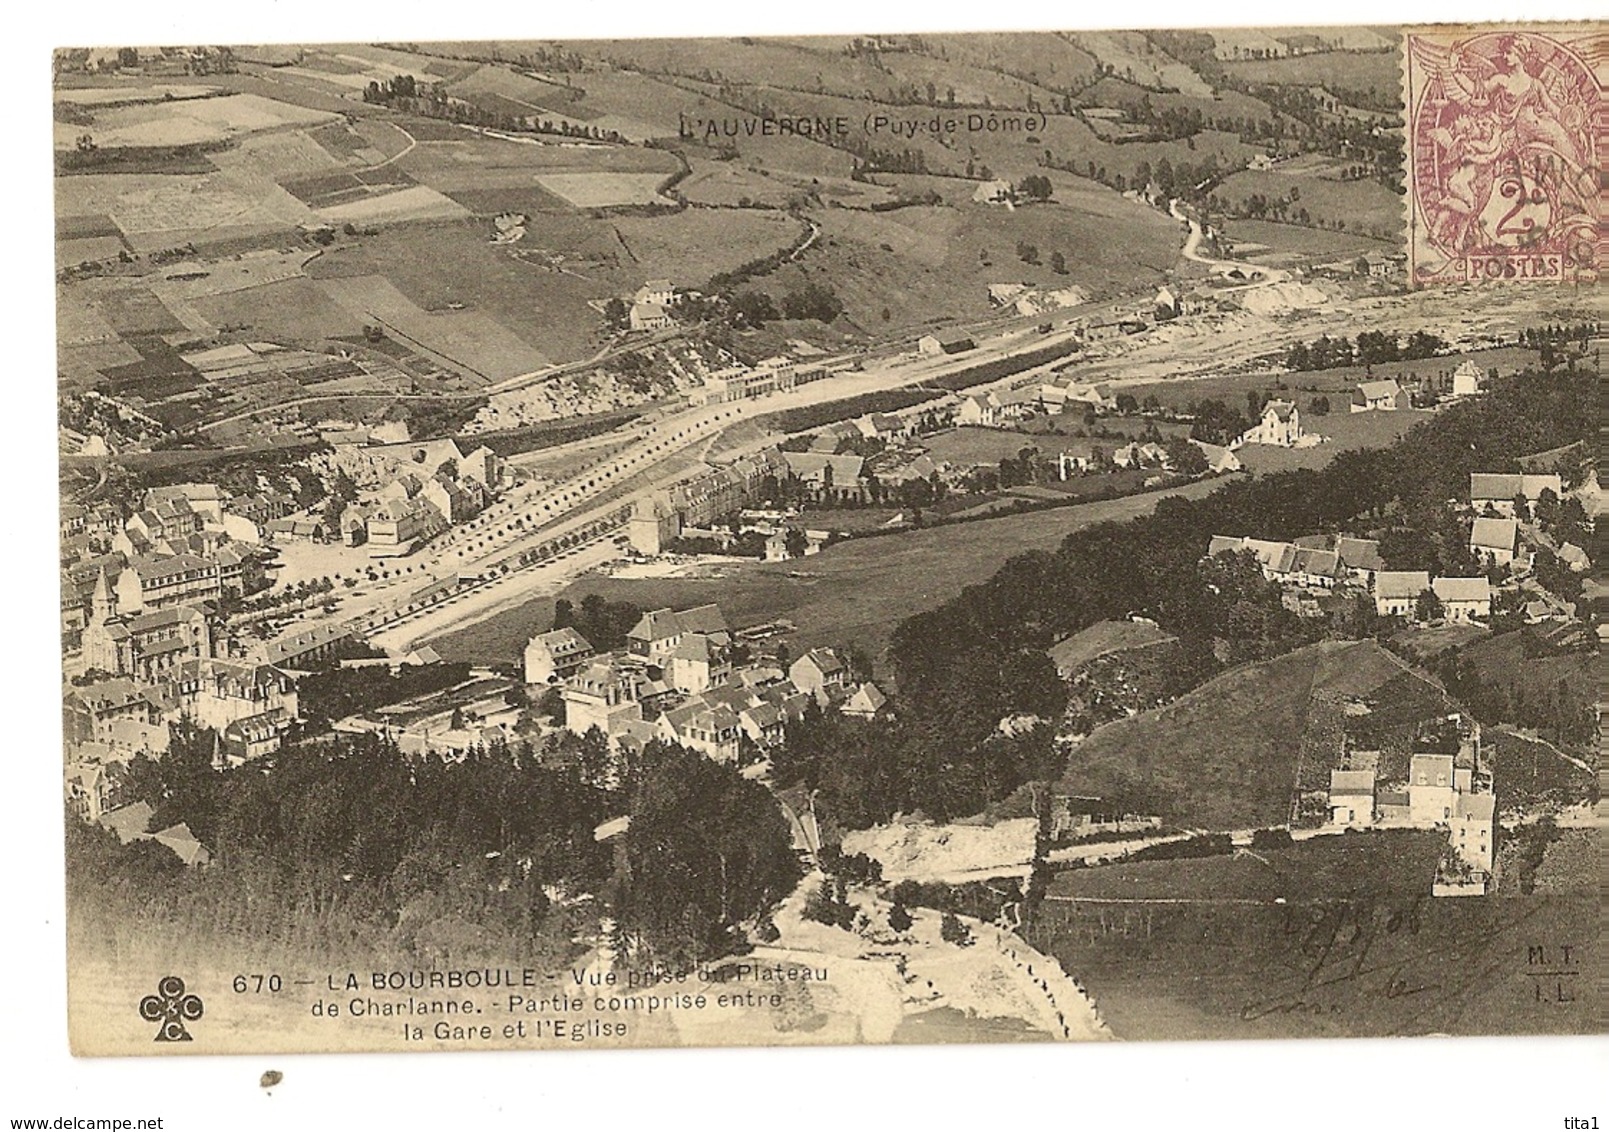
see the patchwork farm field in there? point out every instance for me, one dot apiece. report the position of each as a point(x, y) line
point(191, 121)
point(434, 266)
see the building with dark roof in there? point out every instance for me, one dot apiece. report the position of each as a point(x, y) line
point(555, 655)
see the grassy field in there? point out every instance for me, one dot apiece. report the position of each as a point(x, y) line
point(1223, 757)
point(1230, 754)
point(1531, 773)
point(1104, 638)
point(1360, 950)
point(1363, 207)
point(1386, 863)
point(1342, 431)
point(854, 593)
point(979, 445)
point(1379, 72)
point(1263, 241)
point(689, 247)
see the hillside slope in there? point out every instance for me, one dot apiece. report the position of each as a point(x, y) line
point(1229, 754)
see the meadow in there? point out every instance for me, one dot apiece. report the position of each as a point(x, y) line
point(854, 593)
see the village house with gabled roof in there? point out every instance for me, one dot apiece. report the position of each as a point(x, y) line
point(1471, 834)
point(1464, 599)
point(713, 731)
point(398, 527)
point(946, 342)
point(1280, 426)
point(130, 823)
point(1397, 592)
point(657, 633)
point(699, 661)
point(1352, 797)
point(555, 655)
point(1319, 569)
point(1220, 460)
point(1379, 396)
point(1431, 788)
point(1359, 557)
point(1574, 557)
point(89, 711)
point(649, 316)
point(1494, 540)
point(978, 409)
point(657, 291)
point(1467, 379)
point(205, 499)
point(821, 673)
point(1059, 398)
point(866, 702)
point(1497, 492)
point(253, 736)
point(606, 693)
point(825, 472)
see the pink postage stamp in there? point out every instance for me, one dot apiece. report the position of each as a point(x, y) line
point(1506, 134)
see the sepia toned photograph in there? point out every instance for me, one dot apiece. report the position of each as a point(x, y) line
point(885, 539)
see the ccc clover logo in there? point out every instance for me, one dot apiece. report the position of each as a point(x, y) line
point(171, 1007)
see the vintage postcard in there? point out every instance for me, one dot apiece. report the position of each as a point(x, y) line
point(932, 538)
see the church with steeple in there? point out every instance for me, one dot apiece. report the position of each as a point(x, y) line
point(146, 645)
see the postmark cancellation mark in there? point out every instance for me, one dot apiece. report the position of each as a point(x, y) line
point(1506, 131)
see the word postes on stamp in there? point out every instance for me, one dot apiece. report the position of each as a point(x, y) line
point(1506, 132)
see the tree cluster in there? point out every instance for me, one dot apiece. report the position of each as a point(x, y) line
point(602, 622)
point(708, 852)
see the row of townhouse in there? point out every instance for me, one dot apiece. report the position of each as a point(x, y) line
point(249, 705)
point(1312, 561)
point(1322, 562)
point(660, 518)
point(185, 544)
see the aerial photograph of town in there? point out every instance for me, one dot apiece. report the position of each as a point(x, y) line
point(997, 537)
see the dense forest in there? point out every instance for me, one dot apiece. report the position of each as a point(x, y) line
point(331, 848)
